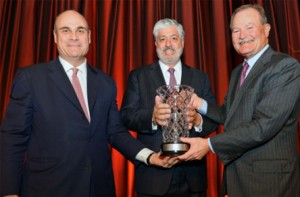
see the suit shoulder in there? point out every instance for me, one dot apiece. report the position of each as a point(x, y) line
point(34, 67)
point(195, 71)
point(104, 76)
point(283, 62)
point(39, 70)
point(142, 70)
point(278, 57)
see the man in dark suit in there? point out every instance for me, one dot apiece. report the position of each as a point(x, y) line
point(65, 134)
point(258, 146)
point(143, 112)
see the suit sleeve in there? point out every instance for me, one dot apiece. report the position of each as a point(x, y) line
point(15, 134)
point(209, 125)
point(134, 116)
point(271, 109)
point(119, 136)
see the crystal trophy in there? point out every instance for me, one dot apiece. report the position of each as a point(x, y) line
point(178, 97)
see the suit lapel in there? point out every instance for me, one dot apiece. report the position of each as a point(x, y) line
point(92, 87)
point(237, 95)
point(186, 77)
point(59, 77)
point(156, 75)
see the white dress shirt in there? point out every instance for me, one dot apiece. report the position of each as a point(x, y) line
point(82, 76)
point(178, 75)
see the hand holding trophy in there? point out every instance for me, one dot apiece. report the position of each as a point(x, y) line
point(177, 97)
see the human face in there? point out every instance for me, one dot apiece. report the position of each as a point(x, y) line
point(169, 45)
point(72, 37)
point(249, 35)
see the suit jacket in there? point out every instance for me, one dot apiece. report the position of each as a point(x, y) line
point(65, 155)
point(258, 145)
point(136, 112)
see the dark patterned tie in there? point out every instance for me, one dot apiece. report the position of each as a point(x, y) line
point(172, 82)
point(243, 74)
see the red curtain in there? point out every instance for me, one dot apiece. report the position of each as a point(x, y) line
point(122, 40)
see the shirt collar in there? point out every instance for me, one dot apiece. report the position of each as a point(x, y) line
point(253, 59)
point(67, 66)
point(165, 67)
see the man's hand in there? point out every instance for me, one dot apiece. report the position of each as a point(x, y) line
point(193, 118)
point(166, 162)
point(161, 112)
point(196, 101)
point(198, 148)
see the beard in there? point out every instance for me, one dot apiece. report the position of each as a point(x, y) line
point(171, 59)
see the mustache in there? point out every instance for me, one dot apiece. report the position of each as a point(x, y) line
point(242, 41)
point(168, 48)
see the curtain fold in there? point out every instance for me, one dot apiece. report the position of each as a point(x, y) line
point(122, 40)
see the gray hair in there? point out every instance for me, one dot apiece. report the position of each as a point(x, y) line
point(257, 7)
point(164, 23)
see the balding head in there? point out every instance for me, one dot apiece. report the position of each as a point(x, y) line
point(72, 36)
point(69, 14)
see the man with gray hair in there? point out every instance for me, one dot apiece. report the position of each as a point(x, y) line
point(143, 113)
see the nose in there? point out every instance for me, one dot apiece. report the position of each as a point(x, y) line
point(168, 42)
point(73, 35)
point(242, 34)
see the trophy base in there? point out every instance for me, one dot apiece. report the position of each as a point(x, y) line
point(174, 149)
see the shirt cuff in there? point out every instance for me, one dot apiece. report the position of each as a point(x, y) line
point(210, 146)
point(154, 127)
point(203, 108)
point(199, 128)
point(143, 155)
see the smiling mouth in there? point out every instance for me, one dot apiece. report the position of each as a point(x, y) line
point(169, 52)
point(244, 41)
point(72, 45)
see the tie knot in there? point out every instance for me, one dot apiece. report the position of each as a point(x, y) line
point(171, 70)
point(246, 65)
point(75, 70)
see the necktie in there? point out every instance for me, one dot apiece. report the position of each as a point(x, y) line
point(172, 82)
point(78, 90)
point(243, 74)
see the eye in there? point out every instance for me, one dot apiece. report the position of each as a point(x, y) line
point(65, 30)
point(162, 39)
point(81, 30)
point(175, 38)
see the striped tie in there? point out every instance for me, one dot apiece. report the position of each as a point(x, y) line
point(243, 74)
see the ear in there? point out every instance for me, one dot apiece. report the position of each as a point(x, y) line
point(55, 36)
point(90, 36)
point(267, 28)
